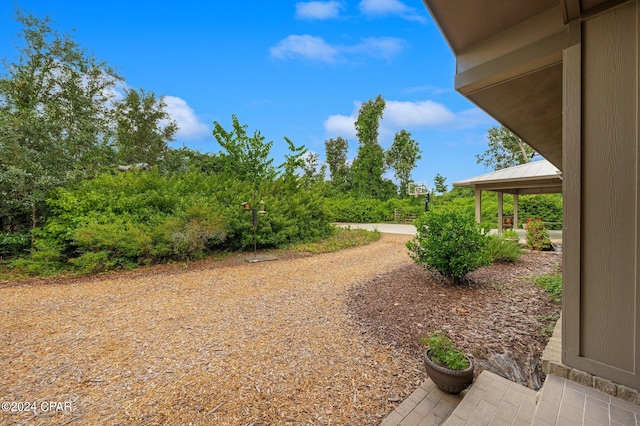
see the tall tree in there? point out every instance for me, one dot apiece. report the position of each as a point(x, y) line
point(246, 156)
point(402, 158)
point(143, 129)
point(336, 153)
point(369, 165)
point(313, 171)
point(439, 183)
point(54, 121)
point(505, 150)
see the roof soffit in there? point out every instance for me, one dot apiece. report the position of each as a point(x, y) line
point(465, 24)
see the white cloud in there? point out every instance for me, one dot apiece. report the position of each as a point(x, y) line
point(317, 49)
point(379, 47)
point(341, 125)
point(318, 10)
point(411, 116)
point(390, 7)
point(417, 114)
point(190, 127)
point(304, 47)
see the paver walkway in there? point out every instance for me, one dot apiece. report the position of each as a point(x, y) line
point(426, 406)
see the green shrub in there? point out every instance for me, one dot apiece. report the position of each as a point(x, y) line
point(548, 207)
point(537, 235)
point(502, 249)
point(370, 210)
point(192, 235)
point(44, 260)
point(443, 352)
point(448, 242)
point(93, 262)
point(13, 244)
point(127, 219)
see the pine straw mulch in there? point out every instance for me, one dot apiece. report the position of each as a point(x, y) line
point(306, 340)
point(225, 343)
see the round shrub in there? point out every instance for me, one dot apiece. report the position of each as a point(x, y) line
point(450, 243)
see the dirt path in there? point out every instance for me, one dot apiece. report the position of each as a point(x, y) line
point(266, 343)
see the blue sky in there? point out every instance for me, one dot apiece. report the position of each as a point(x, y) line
point(298, 69)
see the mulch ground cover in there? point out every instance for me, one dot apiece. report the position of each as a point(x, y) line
point(327, 339)
point(498, 315)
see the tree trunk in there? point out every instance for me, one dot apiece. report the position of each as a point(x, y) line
point(525, 157)
point(33, 225)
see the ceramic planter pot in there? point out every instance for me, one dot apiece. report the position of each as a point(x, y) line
point(447, 380)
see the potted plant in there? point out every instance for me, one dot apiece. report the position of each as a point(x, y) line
point(449, 368)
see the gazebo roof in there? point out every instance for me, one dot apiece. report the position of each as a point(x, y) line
point(537, 177)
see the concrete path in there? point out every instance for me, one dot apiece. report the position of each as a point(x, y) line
point(385, 228)
point(393, 228)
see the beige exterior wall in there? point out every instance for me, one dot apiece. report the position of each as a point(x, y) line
point(601, 163)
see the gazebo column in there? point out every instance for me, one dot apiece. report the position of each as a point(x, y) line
point(500, 212)
point(478, 205)
point(515, 211)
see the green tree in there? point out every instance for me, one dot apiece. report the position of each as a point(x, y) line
point(54, 118)
point(312, 170)
point(141, 133)
point(294, 161)
point(336, 153)
point(402, 158)
point(246, 157)
point(505, 150)
point(439, 183)
point(369, 165)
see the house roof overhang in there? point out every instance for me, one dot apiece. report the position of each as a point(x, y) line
point(509, 60)
point(538, 177)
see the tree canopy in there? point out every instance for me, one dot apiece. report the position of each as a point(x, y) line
point(61, 123)
point(439, 183)
point(141, 134)
point(54, 118)
point(369, 166)
point(402, 158)
point(505, 150)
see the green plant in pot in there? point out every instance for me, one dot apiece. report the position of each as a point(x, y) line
point(448, 367)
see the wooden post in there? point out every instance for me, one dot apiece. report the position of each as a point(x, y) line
point(500, 212)
point(478, 205)
point(515, 211)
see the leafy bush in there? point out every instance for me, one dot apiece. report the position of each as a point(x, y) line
point(537, 235)
point(193, 234)
point(370, 210)
point(45, 260)
point(13, 244)
point(501, 248)
point(448, 242)
point(548, 207)
point(443, 352)
point(127, 219)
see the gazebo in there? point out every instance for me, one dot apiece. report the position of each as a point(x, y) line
point(537, 177)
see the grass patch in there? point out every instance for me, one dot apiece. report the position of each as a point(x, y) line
point(341, 238)
point(549, 324)
point(552, 283)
